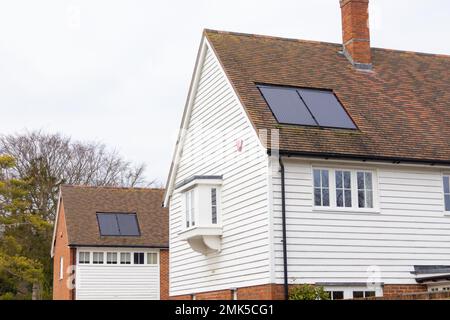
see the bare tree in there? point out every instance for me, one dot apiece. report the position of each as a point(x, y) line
point(50, 160)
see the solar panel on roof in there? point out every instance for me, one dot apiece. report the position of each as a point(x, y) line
point(326, 108)
point(118, 224)
point(312, 107)
point(107, 223)
point(128, 224)
point(287, 106)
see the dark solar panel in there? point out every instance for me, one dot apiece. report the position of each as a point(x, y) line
point(287, 106)
point(128, 224)
point(118, 224)
point(326, 108)
point(312, 107)
point(107, 223)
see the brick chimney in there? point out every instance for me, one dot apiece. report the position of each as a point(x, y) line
point(356, 33)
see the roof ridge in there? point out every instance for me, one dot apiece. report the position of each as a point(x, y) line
point(440, 55)
point(110, 187)
point(263, 36)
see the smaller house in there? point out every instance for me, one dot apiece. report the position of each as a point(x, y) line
point(110, 243)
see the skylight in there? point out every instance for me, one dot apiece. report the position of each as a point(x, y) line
point(118, 224)
point(309, 107)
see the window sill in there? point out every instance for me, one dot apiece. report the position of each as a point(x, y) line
point(203, 239)
point(348, 210)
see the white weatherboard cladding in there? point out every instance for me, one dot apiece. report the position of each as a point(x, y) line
point(117, 282)
point(217, 121)
point(329, 246)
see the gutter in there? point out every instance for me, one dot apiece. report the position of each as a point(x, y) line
point(394, 160)
point(283, 218)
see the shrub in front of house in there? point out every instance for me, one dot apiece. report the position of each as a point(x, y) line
point(308, 292)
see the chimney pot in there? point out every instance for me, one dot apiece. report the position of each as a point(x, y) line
point(356, 33)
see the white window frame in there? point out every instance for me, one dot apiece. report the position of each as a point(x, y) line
point(143, 259)
point(189, 208)
point(354, 190)
point(348, 290)
point(84, 253)
point(112, 254)
point(130, 258)
point(155, 254)
point(101, 253)
point(61, 268)
point(215, 206)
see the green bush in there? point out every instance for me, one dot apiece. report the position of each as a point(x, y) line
point(308, 292)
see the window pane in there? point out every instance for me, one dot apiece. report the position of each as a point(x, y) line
point(317, 179)
point(152, 258)
point(338, 179)
point(338, 295)
point(326, 198)
point(188, 208)
point(447, 202)
point(369, 199)
point(368, 181)
point(192, 208)
point(325, 179)
point(125, 258)
point(347, 180)
point(214, 205)
point(361, 199)
point(358, 294)
point(360, 176)
point(317, 197)
point(111, 258)
point(446, 185)
point(138, 258)
point(348, 198)
point(339, 198)
point(83, 257)
point(97, 258)
point(370, 294)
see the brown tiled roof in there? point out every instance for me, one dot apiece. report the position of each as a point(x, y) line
point(82, 203)
point(402, 107)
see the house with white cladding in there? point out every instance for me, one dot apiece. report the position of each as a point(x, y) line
point(303, 162)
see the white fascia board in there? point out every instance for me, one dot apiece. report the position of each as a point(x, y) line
point(204, 47)
point(55, 225)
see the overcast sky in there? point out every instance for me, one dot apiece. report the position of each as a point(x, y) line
point(118, 71)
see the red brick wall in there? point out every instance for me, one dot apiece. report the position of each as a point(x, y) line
point(61, 291)
point(262, 292)
point(276, 292)
point(390, 290)
point(355, 30)
point(215, 295)
point(164, 274)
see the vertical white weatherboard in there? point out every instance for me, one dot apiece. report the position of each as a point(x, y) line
point(216, 123)
point(346, 246)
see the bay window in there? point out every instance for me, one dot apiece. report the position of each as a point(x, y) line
point(350, 189)
point(201, 209)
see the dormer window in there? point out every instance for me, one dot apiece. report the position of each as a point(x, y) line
point(202, 215)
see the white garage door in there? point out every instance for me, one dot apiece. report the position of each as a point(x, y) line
point(117, 282)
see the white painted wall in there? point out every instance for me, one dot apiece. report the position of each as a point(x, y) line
point(117, 282)
point(216, 122)
point(410, 228)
